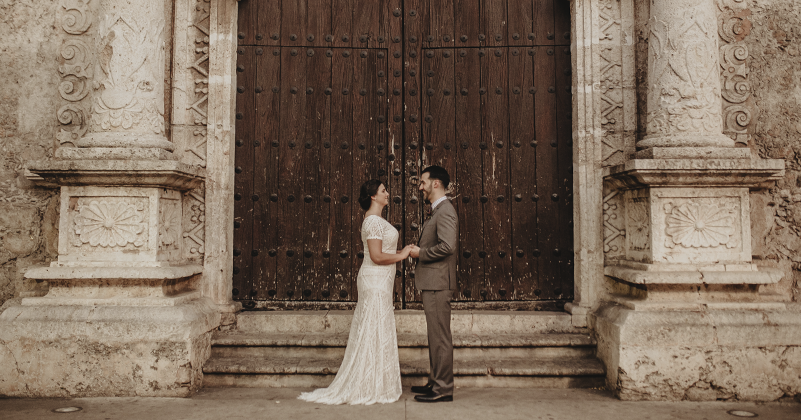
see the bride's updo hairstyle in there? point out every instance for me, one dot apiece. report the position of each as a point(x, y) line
point(368, 190)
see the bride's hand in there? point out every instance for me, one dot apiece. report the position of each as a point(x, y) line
point(406, 250)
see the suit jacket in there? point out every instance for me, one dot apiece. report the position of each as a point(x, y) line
point(439, 242)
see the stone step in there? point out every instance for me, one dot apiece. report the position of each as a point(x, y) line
point(409, 322)
point(411, 346)
point(292, 371)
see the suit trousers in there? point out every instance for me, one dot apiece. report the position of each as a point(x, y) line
point(437, 307)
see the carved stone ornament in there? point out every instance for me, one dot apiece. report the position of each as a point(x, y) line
point(194, 222)
point(108, 224)
point(694, 225)
point(611, 231)
point(199, 105)
point(738, 109)
point(131, 93)
point(169, 223)
point(638, 225)
point(78, 16)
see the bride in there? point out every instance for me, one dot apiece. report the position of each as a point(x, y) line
point(370, 372)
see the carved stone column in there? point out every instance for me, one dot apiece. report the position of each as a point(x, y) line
point(128, 108)
point(681, 289)
point(684, 105)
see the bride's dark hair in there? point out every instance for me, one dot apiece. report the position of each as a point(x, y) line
point(368, 190)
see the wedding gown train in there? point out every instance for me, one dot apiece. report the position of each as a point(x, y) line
point(370, 372)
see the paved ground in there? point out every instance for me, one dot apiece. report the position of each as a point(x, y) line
point(484, 404)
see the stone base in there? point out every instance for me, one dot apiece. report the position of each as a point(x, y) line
point(94, 351)
point(112, 153)
point(704, 355)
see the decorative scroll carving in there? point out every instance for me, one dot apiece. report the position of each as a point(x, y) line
point(169, 223)
point(75, 70)
point(682, 59)
point(78, 16)
point(108, 224)
point(129, 92)
point(694, 225)
point(638, 224)
point(737, 106)
point(194, 222)
point(613, 232)
point(199, 105)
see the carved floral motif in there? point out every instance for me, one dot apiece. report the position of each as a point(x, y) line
point(637, 225)
point(78, 17)
point(169, 223)
point(733, 27)
point(75, 68)
point(108, 224)
point(694, 225)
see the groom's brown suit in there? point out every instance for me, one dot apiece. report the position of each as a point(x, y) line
point(435, 277)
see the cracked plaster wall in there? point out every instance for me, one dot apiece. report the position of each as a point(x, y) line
point(29, 42)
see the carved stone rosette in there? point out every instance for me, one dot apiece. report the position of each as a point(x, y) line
point(684, 104)
point(128, 104)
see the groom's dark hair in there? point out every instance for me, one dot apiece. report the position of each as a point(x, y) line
point(438, 173)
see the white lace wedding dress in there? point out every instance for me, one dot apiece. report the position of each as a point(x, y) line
point(370, 372)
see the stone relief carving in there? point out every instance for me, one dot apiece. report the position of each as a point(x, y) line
point(682, 62)
point(78, 16)
point(194, 222)
point(638, 224)
point(169, 223)
point(199, 106)
point(109, 223)
point(738, 109)
point(695, 225)
point(614, 232)
point(611, 82)
point(75, 70)
point(129, 91)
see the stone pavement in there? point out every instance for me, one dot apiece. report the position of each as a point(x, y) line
point(473, 403)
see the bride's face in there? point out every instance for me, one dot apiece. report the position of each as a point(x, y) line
point(382, 195)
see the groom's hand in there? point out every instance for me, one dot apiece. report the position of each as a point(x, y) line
point(415, 252)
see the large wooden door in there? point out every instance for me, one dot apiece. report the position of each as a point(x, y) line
point(334, 92)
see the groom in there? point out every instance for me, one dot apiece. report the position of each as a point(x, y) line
point(435, 277)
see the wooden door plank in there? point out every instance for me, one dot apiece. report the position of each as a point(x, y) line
point(293, 23)
point(396, 173)
point(413, 27)
point(366, 21)
point(269, 22)
point(523, 171)
point(547, 208)
point(562, 23)
point(438, 108)
point(469, 172)
point(343, 220)
point(493, 20)
point(247, 22)
point(315, 213)
point(565, 170)
point(342, 23)
point(521, 15)
point(495, 134)
point(544, 22)
point(265, 211)
point(318, 22)
point(467, 23)
point(244, 161)
point(293, 105)
point(442, 23)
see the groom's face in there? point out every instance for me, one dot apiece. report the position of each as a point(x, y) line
point(426, 186)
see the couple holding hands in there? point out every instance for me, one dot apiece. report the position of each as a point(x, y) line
point(370, 370)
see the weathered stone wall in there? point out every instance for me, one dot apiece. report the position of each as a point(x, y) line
point(774, 50)
point(29, 99)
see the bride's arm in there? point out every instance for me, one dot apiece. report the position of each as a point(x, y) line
point(380, 257)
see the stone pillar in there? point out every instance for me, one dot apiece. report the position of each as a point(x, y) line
point(125, 314)
point(130, 43)
point(684, 104)
point(683, 316)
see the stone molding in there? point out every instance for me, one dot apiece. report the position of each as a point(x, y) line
point(157, 173)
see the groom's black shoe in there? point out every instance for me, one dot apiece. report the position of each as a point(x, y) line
point(425, 389)
point(433, 397)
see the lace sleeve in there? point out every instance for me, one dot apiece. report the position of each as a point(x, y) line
point(372, 228)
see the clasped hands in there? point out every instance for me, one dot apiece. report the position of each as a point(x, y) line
point(410, 251)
